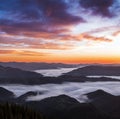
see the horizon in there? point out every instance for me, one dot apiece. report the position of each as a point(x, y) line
point(64, 31)
point(63, 63)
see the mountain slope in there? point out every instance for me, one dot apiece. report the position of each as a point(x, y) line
point(65, 107)
point(8, 74)
point(106, 103)
point(96, 70)
point(6, 95)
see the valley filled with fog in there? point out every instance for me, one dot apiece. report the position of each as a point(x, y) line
point(60, 71)
point(54, 72)
point(60, 89)
point(76, 90)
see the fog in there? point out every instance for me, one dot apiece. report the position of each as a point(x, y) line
point(60, 71)
point(76, 90)
point(114, 77)
point(55, 72)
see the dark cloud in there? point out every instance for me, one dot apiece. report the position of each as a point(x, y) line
point(56, 12)
point(100, 7)
point(36, 14)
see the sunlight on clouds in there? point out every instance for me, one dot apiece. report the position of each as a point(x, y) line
point(72, 33)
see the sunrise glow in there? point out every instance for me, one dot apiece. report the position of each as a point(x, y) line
point(64, 31)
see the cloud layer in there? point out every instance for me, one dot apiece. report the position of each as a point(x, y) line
point(76, 90)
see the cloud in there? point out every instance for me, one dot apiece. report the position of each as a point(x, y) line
point(9, 41)
point(37, 15)
point(94, 38)
point(103, 29)
point(56, 12)
point(98, 7)
point(49, 40)
point(85, 36)
point(116, 33)
point(45, 40)
point(47, 24)
point(31, 53)
point(76, 90)
point(36, 21)
point(22, 53)
point(6, 52)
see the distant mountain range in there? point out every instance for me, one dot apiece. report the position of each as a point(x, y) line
point(96, 70)
point(10, 75)
point(36, 66)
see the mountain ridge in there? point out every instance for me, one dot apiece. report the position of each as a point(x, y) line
point(95, 70)
point(36, 66)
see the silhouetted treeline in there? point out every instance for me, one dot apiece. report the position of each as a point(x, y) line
point(13, 111)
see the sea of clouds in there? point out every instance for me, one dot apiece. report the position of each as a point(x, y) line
point(75, 90)
point(60, 71)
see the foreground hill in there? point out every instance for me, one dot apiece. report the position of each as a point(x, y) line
point(106, 103)
point(96, 70)
point(65, 107)
point(101, 105)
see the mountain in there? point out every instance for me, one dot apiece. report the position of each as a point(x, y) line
point(85, 111)
point(65, 107)
point(36, 66)
point(23, 97)
point(102, 105)
point(62, 101)
point(9, 75)
point(106, 103)
point(6, 95)
point(98, 94)
point(96, 70)
point(70, 78)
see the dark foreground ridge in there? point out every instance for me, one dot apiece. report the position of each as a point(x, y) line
point(101, 105)
point(106, 103)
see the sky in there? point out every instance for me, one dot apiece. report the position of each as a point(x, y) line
point(66, 31)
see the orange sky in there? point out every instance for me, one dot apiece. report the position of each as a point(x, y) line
point(60, 31)
point(61, 58)
point(84, 48)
